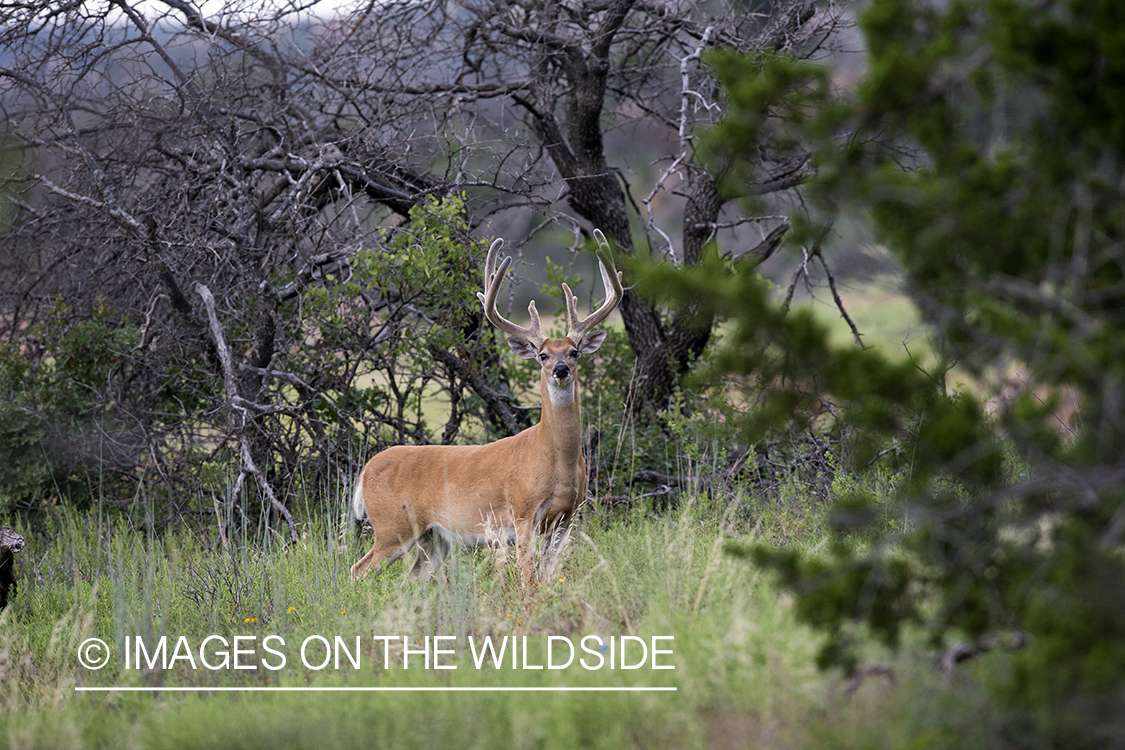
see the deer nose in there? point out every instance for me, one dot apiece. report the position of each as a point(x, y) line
point(561, 371)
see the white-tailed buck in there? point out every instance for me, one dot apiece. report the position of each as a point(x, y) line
point(506, 491)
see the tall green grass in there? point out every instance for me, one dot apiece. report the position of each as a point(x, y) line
point(744, 668)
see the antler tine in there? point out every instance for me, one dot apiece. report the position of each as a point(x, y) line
point(490, 261)
point(611, 280)
point(492, 280)
point(571, 310)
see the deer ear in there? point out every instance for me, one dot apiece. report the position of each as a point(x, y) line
point(592, 342)
point(523, 348)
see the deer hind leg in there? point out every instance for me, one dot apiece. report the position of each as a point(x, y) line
point(433, 548)
point(395, 534)
point(381, 555)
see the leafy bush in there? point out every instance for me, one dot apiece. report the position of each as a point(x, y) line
point(59, 434)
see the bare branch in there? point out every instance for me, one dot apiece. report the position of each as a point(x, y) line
point(237, 407)
point(836, 297)
point(119, 215)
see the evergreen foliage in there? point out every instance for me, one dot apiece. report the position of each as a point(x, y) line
point(985, 146)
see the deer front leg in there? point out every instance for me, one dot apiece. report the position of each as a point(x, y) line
point(525, 553)
point(558, 531)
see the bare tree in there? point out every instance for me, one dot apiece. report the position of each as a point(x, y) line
point(514, 82)
point(276, 152)
point(586, 68)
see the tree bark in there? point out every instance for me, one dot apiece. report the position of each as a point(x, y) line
point(664, 349)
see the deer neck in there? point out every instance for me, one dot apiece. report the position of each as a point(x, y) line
point(561, 423)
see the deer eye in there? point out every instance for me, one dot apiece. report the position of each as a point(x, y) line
point(542, 356)
point(574, 353)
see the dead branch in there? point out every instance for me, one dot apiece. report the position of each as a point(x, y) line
point(647, 476)
point(962, 651)
point(238, 410)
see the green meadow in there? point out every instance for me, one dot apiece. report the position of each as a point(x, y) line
point(743, 676)
point(743, 670)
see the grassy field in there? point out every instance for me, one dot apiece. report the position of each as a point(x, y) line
point(744, 669)
point(744, 674)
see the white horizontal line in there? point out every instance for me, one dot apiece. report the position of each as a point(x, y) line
point(341, 689)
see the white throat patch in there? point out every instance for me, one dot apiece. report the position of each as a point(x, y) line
point(561, 395)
